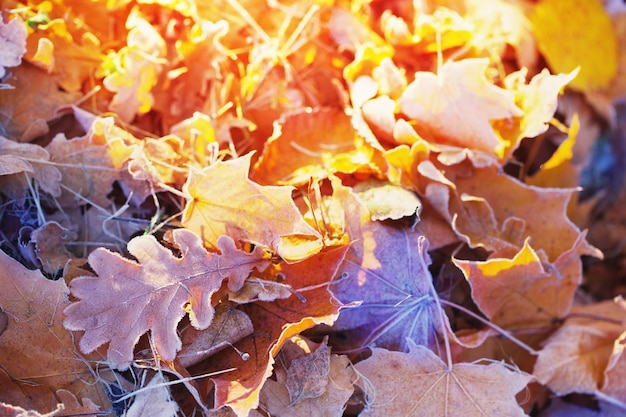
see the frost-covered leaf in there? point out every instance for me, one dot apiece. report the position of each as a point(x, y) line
point(12, 44)
point(35, 349)
point(128, 298)
point(418, 383)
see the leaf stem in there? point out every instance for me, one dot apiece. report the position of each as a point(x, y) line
point(493, 326)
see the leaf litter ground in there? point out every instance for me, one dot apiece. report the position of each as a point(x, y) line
point(312, 207)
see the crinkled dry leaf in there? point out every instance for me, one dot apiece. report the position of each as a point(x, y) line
point(307, 377)
point(129, 298)
point(385, 200)
point(418, 383)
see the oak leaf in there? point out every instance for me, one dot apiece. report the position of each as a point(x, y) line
point(457, 106)
point(466, 389)
point(12, 44)
point(129, 298)
point(222, 200)
point(35, 349)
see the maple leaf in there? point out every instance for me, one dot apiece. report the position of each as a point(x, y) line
point(386, 273)
point(521, 291)
point(12, 44)
point(567, 46)
point(35, 349)
point(274, 324)
point(464, 390)
point(575, 357)
point(129, 298)
point(457, 106)
point(222, 200)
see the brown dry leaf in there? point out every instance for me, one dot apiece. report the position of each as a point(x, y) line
point(35, 349)
point(418, 383)
point(337, 388)
point(222, 200)
point(49, 240)
point(458, 106)
point(228, 327)
point(20, 161)
point(515, 206)
point(275, 323)
point(40, 96)
point(575, 357)
point(521, 292)
point(12, 44)
point(87, 166)
point(129, 298)
point(307, 377)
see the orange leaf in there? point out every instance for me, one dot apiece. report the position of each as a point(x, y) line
point(575, 357)
point(457, 106)
point(521, 292)
point(223, 201)
point(275, 323)
point(418, 383)
point(129, 298)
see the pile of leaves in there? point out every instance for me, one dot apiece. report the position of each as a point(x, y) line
point(312, 208)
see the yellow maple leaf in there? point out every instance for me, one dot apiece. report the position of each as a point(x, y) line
point(569, 35)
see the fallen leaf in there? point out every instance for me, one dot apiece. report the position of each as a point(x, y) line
point(222, 200)
point(307, 377)
point(12, 43)
point(18, 161)
point(338, 386)
point(457, 106)
point(583, 36)
point(35, 349)
point(386, 275)
point(153, 400)
point(466, 389)
point(385, 200)
point(575, 357)
point(129, 298)
point(275, 323)
point(523, 292)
